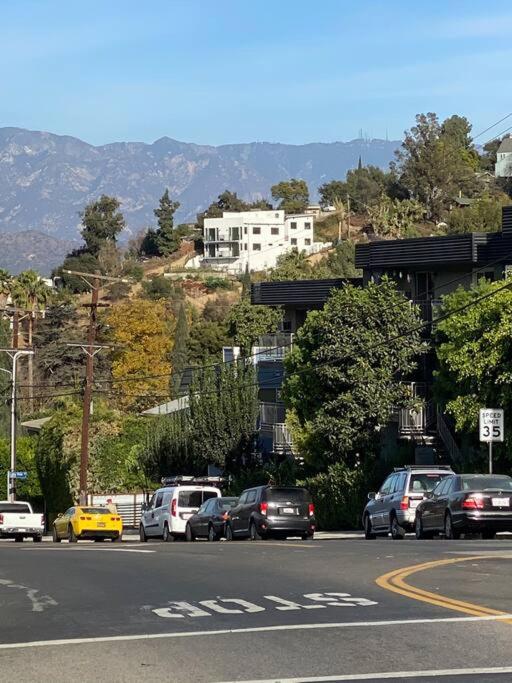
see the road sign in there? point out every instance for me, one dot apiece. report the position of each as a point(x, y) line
point(491, 425)
point(18, 475)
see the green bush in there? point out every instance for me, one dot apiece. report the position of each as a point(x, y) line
point(213, 283)
point(158, 287)
point(339, 496)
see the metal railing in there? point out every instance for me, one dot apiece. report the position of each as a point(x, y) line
point(272, 347)
point(272, 413)
point(428, 308)
point(446, 436)
point(416, 421)
point(282, 438)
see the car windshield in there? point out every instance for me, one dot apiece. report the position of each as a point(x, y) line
point(227, 503)
point(95, 511)
point(14, 507)
point(194, 499)
point(425, 481)
point(484, 483)
point(288, 495)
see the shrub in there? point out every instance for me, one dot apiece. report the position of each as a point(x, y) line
point(213, 283)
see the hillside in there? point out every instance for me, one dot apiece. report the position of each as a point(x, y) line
point(46, 180)
point(31, 249)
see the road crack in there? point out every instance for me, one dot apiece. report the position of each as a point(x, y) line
point(39, 602)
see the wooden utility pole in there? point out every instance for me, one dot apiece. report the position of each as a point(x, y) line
point(15, 329)
point(91, 349)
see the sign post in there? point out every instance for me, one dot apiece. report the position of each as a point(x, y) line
point(492, 428)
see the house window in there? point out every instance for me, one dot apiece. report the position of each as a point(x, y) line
point(245, 247)
point(307, 226)
point(277, 215)
point(293, 241)
point(274, 231)
point(245, 230)
point(256, 231)
point(307, 241)
point(270, 244)
point(256, 247)
point(293, 225)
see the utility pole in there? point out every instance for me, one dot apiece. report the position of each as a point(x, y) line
point(14, 354)
point(348, 216)
point(91, 349)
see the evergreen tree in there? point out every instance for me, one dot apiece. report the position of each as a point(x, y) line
point(166, 238)
point(179, 353)
point(102, 222)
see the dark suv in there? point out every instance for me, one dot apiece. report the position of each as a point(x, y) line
point(272, 510)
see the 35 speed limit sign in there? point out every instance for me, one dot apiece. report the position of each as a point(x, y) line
point(491, 425)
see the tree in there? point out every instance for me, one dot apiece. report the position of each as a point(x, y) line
point(207, 337)
point(395, 218)
point(102, 222)
point(293, 195)
point(166, 238)
point(246, 323)
point(5, 286)
point(158, 287)
point(81, 262)
point(484, 215)
point(343, 373)
point(331, 192)
point(436, 161)
point(141, 332)
point(179, 353)
point(474, 358)
point(490, 155)
point(294, 265)
point(340, 263)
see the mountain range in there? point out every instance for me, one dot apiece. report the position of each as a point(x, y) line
point(47, 179)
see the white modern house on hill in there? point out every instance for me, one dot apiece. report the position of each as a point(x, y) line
point(503, 168)
point(253, 240)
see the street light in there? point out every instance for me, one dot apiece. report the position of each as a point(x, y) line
point(14, 354)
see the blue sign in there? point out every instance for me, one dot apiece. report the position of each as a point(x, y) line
point(18, 475)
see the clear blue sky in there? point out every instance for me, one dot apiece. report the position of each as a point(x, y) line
point(221, 71)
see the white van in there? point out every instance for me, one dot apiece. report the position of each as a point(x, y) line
point(166, 514)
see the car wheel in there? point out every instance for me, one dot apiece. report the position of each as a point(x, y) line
point(117, 539)
point(397, 531)
point(450, 532)
point(18, 539)
point(37, 538)
point(167, 536)
point(368, 530)
point(99, 540)
point(189, 534)
point(418, 528)
point(488, 535)
point(212, 534)
point(307, 536)
point(253, 533)
point(142, 534)
point(71, 534)
point(55, 536)
point(229, 533)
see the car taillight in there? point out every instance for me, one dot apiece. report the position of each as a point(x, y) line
point(404, 503)
point(112, 519)
point(82, 518)
point(173, 507)
point(42, 520)
point(311, 509)
point(1, 519)
point(225, 516)
point(473, 503)
point(263, 508)
point(89, 518)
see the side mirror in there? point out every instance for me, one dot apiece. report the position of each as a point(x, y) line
point(372, 495)
point(428, 494)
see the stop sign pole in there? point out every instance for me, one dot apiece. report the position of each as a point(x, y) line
point(491, 428)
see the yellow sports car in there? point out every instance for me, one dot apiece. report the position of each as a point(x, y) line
point(96, 523)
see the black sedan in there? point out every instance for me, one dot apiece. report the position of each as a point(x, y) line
point(466, 503)
point(210, 520)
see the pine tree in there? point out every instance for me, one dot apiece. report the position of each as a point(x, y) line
point(166, 238)
point(179, 353)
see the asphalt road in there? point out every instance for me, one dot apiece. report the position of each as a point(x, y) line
point(263, 611)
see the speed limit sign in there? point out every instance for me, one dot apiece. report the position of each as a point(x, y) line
point(491, 425)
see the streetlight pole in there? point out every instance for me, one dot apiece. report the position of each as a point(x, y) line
point(14, 354)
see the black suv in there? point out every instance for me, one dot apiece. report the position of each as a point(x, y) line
point(272, 510)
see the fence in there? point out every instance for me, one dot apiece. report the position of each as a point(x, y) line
point(128, 506)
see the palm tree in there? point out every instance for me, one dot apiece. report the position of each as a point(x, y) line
point(5, 286)
point(31, 293)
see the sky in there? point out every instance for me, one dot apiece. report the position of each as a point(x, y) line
point(229, 71)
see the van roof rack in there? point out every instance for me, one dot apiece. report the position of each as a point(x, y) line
point(422, 467)
point(182, 480)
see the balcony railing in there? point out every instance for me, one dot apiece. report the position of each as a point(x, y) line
point(272, 413)
point(428, 308)
point(272, 347)
point(282, 438)
point(416, 421)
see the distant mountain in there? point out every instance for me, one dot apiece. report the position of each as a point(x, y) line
point(46, 180)
point(30, 249)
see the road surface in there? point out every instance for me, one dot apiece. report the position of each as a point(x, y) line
point(262, 611)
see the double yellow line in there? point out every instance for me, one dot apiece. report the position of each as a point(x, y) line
point(395, 581)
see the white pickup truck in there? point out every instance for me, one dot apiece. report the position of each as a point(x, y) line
point(18, 521)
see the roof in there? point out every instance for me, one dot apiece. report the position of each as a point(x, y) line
point(168, 408)
point(296, 292)
point(506, 145)
point(463, 201)
point(35, 425)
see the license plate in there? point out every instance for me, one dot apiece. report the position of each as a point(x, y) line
point(288, 511)
point(101, 525)
point(501, 502)
point(414, 503)
point(21, 530)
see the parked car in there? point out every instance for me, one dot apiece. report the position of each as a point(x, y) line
point(168, 511)
point(393, 508)
point(466, 503)
point(272, 510)
point(88, 523)
point(210, 520)
point(18, 521)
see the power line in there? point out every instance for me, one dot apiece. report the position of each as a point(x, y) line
point(493, 126)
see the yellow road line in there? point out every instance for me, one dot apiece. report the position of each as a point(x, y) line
point(394, 581)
